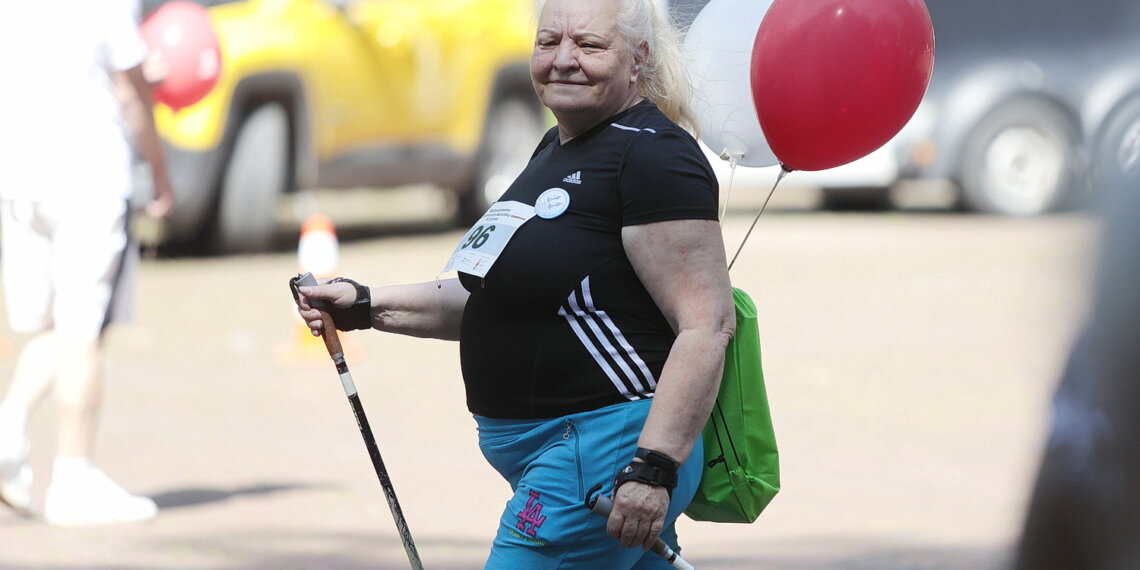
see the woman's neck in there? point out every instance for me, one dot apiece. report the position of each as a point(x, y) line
point(569, 127)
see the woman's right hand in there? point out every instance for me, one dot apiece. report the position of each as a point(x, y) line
point(340, 293)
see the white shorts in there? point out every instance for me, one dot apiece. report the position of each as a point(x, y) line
point(67, 267)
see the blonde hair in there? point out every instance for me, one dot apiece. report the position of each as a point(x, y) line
point(664, 77)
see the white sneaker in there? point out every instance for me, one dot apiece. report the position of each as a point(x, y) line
point(92, 499)
point(15, 475)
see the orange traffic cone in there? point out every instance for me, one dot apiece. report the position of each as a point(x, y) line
point(318, 252)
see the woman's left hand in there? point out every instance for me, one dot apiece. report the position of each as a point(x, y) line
point(638, 514)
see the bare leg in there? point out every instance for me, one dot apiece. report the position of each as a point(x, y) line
point(34, 372)
point(80, 493)
point(78, 396)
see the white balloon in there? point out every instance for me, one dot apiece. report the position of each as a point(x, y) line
point(719, 48)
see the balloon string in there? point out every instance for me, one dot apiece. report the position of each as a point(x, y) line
point(732, 161)
point(783, 172)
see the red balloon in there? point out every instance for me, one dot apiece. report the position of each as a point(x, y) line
point(833, 80)
point(182, 37)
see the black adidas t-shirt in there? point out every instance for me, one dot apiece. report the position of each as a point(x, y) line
point(561, 324)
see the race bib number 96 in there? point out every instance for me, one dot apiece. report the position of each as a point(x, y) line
point(485, 241)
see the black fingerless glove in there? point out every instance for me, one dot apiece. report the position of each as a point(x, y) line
point(356, 316)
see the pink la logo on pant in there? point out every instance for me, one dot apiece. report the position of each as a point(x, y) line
point(531, 516)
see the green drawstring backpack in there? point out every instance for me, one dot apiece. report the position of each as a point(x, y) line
point(742, 466)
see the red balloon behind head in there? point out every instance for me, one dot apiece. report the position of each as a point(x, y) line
point(181, 34)
point(833, 80)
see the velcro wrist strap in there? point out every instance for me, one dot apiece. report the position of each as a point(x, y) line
point(356, 316)
point(643, 472)
point(657, 459)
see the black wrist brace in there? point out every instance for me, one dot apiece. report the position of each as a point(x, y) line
point(356, 316)
point(655, 469)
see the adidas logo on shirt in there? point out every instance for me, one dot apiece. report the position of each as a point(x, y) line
point(575, 178)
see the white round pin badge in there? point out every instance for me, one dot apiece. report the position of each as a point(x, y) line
point(552, 203)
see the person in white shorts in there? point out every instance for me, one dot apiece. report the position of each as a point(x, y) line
point(66, 157)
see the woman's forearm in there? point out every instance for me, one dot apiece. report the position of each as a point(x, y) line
point(683, 267)
point(685, 393)
point(430, 310)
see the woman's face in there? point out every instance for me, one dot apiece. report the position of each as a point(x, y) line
point(581, 66)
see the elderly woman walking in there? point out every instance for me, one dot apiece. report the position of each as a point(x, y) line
point(592, 304)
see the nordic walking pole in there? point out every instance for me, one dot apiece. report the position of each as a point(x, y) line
point(332, 343)
point(602, 505)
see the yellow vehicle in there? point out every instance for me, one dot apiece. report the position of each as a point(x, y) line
point(350, 93)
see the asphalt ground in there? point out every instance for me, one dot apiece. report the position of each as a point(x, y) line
point(909, 356)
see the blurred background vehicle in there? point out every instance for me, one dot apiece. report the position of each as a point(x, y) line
point(361, 97)
point(343, 94)
point(1019, 89)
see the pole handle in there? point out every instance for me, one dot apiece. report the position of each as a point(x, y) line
point(602, 505)
point(330, 336)
point(328, 327)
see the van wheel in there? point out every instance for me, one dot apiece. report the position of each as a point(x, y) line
point(253, 182)
point(1116, 155)
point(1020, 160)
point(514, 127)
